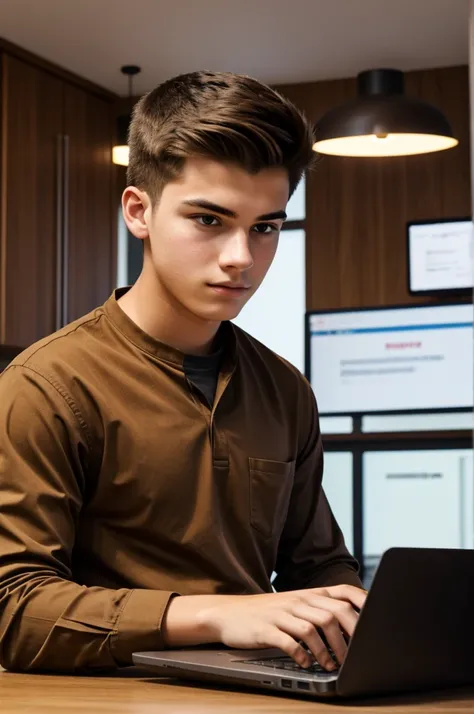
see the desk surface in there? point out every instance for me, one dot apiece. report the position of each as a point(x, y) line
point(134, 691)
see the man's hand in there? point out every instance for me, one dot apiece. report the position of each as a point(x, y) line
point(272, 620)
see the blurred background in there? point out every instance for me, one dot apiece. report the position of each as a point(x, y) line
point(370, 294)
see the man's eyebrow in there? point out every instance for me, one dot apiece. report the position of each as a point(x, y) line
point(208, 206)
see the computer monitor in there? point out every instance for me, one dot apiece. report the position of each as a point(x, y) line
point(418, 498)
point(440, 256)
point(391, 360)
point(338, 487)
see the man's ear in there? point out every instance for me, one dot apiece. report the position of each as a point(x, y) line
point(134, 208)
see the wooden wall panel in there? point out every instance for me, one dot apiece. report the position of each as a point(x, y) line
point(31, 124)
point(357, 209)
point(92, 233)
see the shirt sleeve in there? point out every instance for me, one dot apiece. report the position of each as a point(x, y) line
point(312, 552)
point(48, 621)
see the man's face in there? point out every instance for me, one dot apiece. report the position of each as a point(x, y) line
point(213, 235)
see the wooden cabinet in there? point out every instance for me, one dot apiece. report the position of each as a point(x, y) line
point(31, 126)
point(91, 224)
point(57, 223)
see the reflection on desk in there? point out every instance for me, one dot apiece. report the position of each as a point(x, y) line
point(135, 691)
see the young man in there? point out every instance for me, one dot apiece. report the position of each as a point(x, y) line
point(157, 464)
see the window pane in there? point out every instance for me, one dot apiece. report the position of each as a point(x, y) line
point(419, 422)
point(296, 206)
point(275, 314)
point(336, 425)
point(421, 498)
point(337, 484)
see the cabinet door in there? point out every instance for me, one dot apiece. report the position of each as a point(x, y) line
point(91, 223)
point(31, 119)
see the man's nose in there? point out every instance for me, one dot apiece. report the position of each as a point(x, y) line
point(236, 252)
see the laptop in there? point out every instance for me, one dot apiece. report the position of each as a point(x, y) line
point(414, 632)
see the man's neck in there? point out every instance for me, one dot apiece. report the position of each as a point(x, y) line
point(156, 315)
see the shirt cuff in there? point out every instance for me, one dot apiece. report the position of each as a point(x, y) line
point(139, 624)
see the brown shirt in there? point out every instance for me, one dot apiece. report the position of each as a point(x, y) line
point(120, 486)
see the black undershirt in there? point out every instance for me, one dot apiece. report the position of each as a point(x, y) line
point(203, 373)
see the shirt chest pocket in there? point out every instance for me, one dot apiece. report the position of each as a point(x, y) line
point(270, 489)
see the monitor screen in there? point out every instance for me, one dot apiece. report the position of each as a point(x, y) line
point(398, 359)
point(397, 488)
point(440, 256)
point(338, 487)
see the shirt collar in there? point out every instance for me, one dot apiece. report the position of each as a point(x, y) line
point(147, 343)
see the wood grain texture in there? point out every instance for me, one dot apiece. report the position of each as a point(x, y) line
point(136, 692)
point(368, 438)
point(88, 122)
point(37, 109)
point(357, 208)
point(31, 123)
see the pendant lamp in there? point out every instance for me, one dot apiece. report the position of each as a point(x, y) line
point(383, 121)
point(120, 150)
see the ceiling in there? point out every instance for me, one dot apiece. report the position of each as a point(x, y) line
point(277, 41)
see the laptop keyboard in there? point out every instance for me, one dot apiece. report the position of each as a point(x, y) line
point(287, 663)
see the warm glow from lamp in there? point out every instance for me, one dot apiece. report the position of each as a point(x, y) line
point(387, 145)
point(120, 155)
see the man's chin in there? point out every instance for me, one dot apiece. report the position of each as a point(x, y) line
point(220, 313)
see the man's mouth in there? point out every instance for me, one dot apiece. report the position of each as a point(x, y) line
point(231, 286)
point(230, 289)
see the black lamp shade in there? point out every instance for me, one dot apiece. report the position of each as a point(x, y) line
point(381, 116)
point(387, 122)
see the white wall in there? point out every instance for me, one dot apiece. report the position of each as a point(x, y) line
point(275, 314)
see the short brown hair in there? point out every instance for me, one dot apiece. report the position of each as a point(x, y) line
point(219, 115)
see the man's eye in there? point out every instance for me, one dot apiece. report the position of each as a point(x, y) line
point(265, 228)
point(206, 220)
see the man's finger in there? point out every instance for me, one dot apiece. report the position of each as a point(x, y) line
point(276, 637)
point(331, 629)
point(356, 596)
point(341, 609)
point(302, 629)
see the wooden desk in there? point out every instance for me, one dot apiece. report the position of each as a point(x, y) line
point(134, 691)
